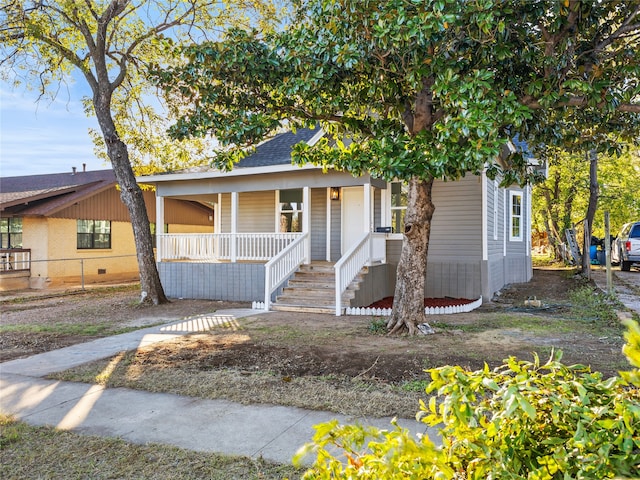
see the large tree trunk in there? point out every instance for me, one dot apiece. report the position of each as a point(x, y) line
point(132, 197)
point(408, 307)
point(591, 211)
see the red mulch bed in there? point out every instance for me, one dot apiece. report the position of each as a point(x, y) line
point(387, 302)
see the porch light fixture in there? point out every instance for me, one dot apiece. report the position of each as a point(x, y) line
point(335, 193)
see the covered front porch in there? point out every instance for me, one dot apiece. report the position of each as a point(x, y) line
point(265, 229)
point(15, 268)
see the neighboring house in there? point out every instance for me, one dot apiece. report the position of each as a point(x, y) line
point(72, 227)
point(273, 218)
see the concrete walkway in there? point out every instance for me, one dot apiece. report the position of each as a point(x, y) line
point(272, 432)
point(625, 285)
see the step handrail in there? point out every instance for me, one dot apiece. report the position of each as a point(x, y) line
point(280, 267)
point(350, 265)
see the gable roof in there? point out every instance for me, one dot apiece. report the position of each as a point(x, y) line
point(277, 150)
point(43, 195)
point(272, 155)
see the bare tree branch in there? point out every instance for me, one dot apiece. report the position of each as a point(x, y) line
point(534, 104)
point(625, 28)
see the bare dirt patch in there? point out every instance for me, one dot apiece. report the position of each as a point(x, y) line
point(323, 361)
point(36, 322)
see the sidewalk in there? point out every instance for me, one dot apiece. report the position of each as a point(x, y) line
point(272, 432)
point(624, 292)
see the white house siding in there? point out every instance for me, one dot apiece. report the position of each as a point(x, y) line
point(457, 220)
point(494, 274)
point(225, 213)
point(509, 261)
point(517, 262)
point(458, 279)
point(256, 212)
point(455, 245)
point(493, 267)
point(377, 211)
point(318, 223)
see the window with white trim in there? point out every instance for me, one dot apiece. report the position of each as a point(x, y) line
point(290, 210)
point(515, 216)
point(399, 196)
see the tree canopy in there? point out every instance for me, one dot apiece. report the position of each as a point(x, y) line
point(415, 90)
point(43, 45)
point(110, 43)
point(560, 202)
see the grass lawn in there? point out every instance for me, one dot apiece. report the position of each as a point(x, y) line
point(47, 453)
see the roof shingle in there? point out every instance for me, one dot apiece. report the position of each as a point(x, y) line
point(44, 194)
point(277, 151)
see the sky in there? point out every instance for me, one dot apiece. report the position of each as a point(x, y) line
point(45, 136)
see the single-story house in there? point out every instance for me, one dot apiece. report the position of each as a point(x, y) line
point(276, 224)
point(72, 228)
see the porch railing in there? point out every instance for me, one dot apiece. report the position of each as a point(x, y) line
point(370, 249)
point(222, 246)
point(280, 267)
point(15, 260)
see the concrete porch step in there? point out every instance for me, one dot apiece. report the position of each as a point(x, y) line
point(312, 289)
point(306, 299)
point(317, 267)
point(318, 281)
point(303, 308)
point(320, 288)
point(312, 285)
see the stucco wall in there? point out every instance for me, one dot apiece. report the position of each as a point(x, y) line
point(35, 235)
point(64, 257)
point(55, 258)
point(175, 228)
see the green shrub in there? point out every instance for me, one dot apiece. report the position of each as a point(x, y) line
point(523, 420)
point(378, 325)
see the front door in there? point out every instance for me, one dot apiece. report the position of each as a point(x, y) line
point(352, 216)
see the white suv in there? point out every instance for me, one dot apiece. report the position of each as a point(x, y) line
point(626, 247)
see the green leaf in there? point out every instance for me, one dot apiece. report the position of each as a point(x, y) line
point(490, 384)
point(527, 407)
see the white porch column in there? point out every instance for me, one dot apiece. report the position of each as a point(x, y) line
point(385, 206)
point(276, 228)
point(159, 227)
point(306, 220)
point(368, 211)
point(217, 224)
point(328, 230)
point(218, 215)
point(234, 225)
